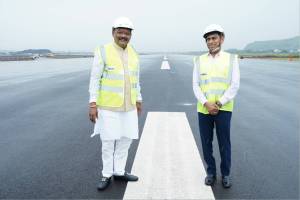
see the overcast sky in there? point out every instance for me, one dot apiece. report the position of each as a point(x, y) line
point(160, 25)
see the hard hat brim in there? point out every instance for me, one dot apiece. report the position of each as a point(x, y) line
point(212, 32)
point(123, 27)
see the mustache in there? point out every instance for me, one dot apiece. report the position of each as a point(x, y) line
point(126, 39)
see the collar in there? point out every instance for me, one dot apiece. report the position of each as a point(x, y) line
point(217, 55)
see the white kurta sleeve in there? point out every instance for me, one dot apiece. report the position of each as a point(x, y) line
point(138, 87)
point(196, 81)
point(96, 73)
point(231, 92)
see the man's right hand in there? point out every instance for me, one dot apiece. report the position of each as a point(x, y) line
point(212, 108)
point(93, 112)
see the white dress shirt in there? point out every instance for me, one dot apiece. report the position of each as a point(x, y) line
point(229, 93)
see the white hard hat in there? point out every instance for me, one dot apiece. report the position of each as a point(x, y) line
point(213, 27)
point(123, 22)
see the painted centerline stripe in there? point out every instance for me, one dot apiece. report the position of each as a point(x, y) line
point(167, 161)
point(165, 63)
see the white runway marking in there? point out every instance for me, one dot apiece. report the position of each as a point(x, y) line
point(167, 161)
point(188, 104)
point(165, 64)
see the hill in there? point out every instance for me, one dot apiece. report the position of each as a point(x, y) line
point(34, 51)
point(290, 44)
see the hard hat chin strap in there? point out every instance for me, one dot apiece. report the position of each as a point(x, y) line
point(216, 50)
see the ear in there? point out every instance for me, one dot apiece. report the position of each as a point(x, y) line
point(222, 39)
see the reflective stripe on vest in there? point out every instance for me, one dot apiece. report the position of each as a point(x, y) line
point(214, 79)
point(111, 90)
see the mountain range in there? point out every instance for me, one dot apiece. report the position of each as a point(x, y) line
point(290, 44)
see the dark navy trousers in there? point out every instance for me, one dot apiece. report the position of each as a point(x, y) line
point(221, 122)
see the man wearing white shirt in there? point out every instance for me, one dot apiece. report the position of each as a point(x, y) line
point(216, 80)
point(115, 101)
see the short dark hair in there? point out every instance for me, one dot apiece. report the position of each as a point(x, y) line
point(214, 32)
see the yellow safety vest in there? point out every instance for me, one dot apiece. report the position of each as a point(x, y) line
point(214, 79)
point(112, 83)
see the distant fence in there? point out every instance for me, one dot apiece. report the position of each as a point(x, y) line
point(17, 58)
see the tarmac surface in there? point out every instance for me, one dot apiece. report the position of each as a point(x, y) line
point(45, 145)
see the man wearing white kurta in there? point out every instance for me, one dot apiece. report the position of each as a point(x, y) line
point(115, 101)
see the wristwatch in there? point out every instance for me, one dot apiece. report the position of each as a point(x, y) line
point(219, 104)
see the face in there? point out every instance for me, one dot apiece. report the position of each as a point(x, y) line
point(122, 36)
point(214, 42)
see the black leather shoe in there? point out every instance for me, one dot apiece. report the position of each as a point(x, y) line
point(210, 179)
point(226, 182)
point(104, 182)
point(126, 177)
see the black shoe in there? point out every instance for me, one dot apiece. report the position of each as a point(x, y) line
point(104, 182)
point(210, 179)
point(226, 182)
point(126, 177)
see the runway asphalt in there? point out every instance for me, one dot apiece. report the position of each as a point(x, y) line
point(45, 145)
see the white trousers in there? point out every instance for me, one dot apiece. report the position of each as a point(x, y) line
point(114, 156)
